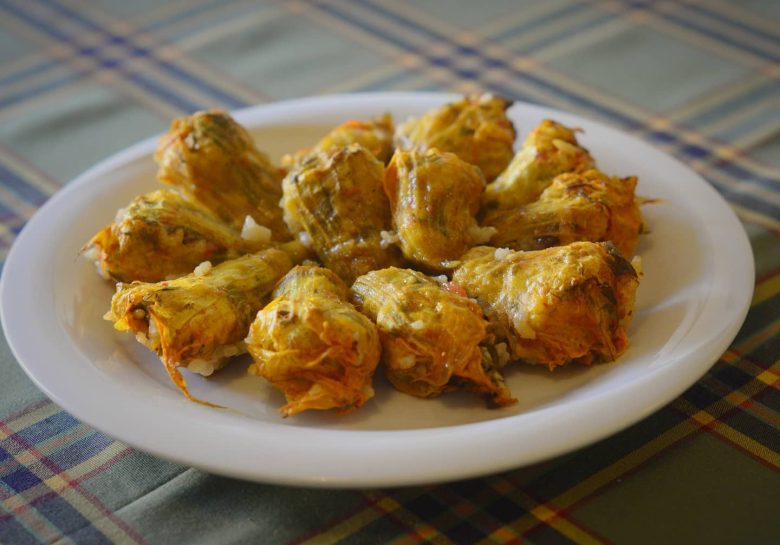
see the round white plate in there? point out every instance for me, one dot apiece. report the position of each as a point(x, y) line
point(692, 300)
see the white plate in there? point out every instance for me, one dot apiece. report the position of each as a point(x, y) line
point(693, 298)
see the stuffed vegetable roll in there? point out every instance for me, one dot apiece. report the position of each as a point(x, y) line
point(200, 320)
point(434, 198)
point(376, 135)
point(160, 236)
point(433, 340)
point(553, 306)
point(550, 149)
point(335, 203)
point(476, 129)
point(576, 207)
point(215, 162)
point(313, 345)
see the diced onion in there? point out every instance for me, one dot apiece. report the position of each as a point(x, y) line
point(502, 354)
point(565, 147)
point(482, 235)
point(218, 359)
point(521, 325)
point(406, 362)
point(388, 239)
point(200, 366)
point(636, 262)
point(305, 239)
point(153, 334)
point(502, 253)
point(254, 232)
point(203, 268)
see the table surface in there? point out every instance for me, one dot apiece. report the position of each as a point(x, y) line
point(80, 80)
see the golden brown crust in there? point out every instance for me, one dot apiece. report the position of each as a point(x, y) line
point(160, 235)
point(215, 162)
point(197, 316)
point(476, 129)
point(313, 345)
point(553, 306)
point(335, 202)
point(433, 339)
point(550, 306)
point(590, 206)
point(550, 149)
point(376, 135)
point(434, 197)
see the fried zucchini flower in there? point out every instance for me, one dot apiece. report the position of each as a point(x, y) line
point(200, 320)
point(576, 207)
point(476, 129)
point(553, 306)
point(313, 345)
point(376, 135)
point(335, 203)
point(550, 149)
point(433, 340)
point(160, 236)
point(215, 162)
point(434, 198)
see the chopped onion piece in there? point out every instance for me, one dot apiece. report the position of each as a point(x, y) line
point(502, 253)
point(388, 239)
point(203, 268)
point(254, 232)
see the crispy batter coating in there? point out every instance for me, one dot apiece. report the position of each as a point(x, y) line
point(576, 207)
point(433, 340)
point(376, 135)
point(334, 201)
point(199, 321)
point(553, 306)
point(160, 236)
point(550, 149)
point(215, 162)
point(434, 197)
point(556, 290)
point(313, 345)
point(476, 129)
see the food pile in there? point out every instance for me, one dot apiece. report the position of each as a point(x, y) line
point(431, 249)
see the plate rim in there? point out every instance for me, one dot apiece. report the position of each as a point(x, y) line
point(427, 470)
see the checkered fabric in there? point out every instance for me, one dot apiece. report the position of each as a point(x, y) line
point(81, 79)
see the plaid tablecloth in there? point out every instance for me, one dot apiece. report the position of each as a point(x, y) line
point(80, 80)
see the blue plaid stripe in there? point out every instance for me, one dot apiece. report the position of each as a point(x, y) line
point(134, 50)
point(44, 454)
point(101, 61)
point(21, 187)
point(119, 61)
point(698, 24)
